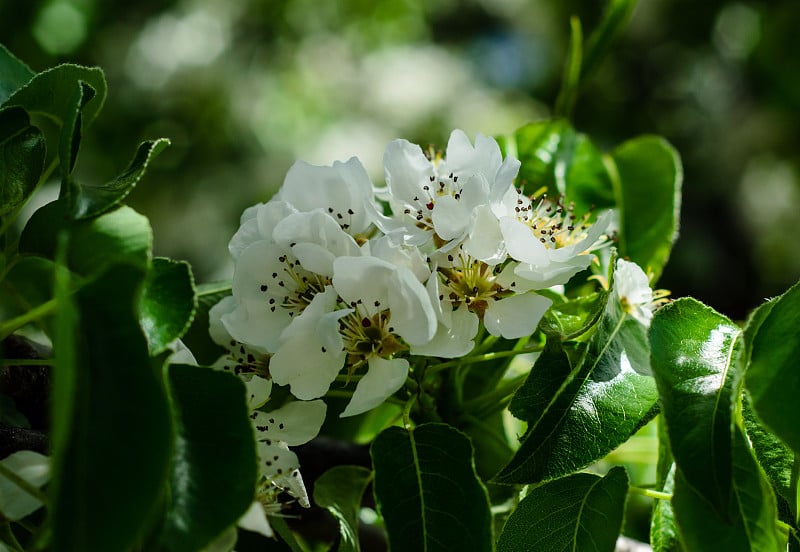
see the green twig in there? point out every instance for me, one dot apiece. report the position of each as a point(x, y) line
point(481, 358)
point(28, 362)
point(407, 411)
point(658, 495)
point(572, 72)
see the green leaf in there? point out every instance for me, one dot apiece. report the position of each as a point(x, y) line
point(772, 377)
point(119, 236)
point(578, 512)
point(554, 156)
point(774, 456)
point(748, 524)
point(427, 490)
point(340, 490)
point(648, 177)
point(70, 95)
point(28, 283)
point(577, 415)
point(694, 356)
point(112, 446)
point(196, 337)
point(167, 303)
point(664, 536)
point(15, 74)
point(22, 154)
point(574, 318)
point(214, 469)
point(52, 92)
point(89, 201)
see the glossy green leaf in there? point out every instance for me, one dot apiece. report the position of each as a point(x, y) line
point(749, 522)
point(574, 318)
point(119, 236)
point(167, 304)
point(648, 178)
point(14, 74)
point(22, 154)
point(427, 490)
point(773, 455)
point(773, 380)
point(694, 356)
point(578, 512)
point(554, 156)
point(340, 490)
point(214, 468)
point(196, 337)
point(111, 453)
point(578, 414)
point(89, 201)
point(664, 536)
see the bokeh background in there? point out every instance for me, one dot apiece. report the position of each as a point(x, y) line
point(244, 88)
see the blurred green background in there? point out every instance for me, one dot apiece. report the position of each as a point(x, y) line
point(244, 88)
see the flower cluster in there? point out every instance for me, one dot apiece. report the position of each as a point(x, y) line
point(333, 274)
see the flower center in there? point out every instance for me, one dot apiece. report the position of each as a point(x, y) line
point(292, 287)
point(554, 224)
point(471, 282)
point(241, 359)
point(365, 336)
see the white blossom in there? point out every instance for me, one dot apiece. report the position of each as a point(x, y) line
point(634, 293)
point(276, 279)
point(433, 198)
point(342, 190)
point(547, 239)
point(467, 287)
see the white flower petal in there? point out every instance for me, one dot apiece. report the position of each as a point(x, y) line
point(633, 290)
point(412, 314)
point(258, 391)
point(315, 239)
point(363, 279)
point(515, 316)
point(401, 256)
point(280, 465)
point(592, 235)
point(255, 520)
point(521, 244)
point(450, 218)
point(216, 328)
point(453, 340)
point(383, 378)
point(341, 190)
point(302, 364)
point(555, 273)
point(485, 240)
point(406, 167)
point(256, 224)
point(307, 323)
point(294, 423)
point(258, 328)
